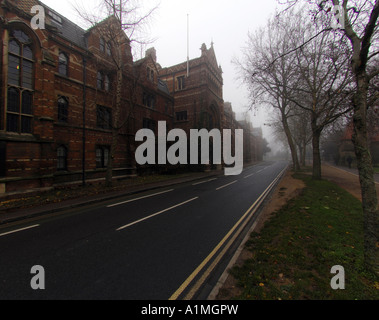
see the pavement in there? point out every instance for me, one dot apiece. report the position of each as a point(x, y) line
point(346, 178)
point(18, 214)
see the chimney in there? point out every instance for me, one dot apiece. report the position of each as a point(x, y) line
point(151, 52)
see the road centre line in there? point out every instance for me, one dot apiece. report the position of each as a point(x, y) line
point(196, 184)
point(140, 198)
point(19, 230)
point(156, 214)
point(227, 185)
point(253, 174)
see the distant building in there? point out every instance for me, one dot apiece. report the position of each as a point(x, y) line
point(346, 147)
point(197, 86)
point(199, 94)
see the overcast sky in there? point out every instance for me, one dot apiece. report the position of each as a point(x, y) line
point(225, 22)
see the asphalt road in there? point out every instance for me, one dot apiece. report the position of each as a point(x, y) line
point(166, 244)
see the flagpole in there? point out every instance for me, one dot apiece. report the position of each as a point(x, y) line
point(187, 45)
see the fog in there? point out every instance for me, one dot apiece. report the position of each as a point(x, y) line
point(223, 23)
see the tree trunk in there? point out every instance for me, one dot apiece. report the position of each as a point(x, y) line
point(366, 174)
point(316, 133)
point(303, 158)
point(295, 160)
point(115, 122)
point(301, 152)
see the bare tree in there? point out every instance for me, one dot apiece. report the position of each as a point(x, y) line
point(300, 125)
point(118, 30)
point(326, 81)
point(361, 28)
point(269, 83)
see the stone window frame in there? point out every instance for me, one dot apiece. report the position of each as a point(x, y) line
point(63, 106)
point(20, 91)
point(62, 156)
point(63, 63)
point(181, 83)
point(102, 156)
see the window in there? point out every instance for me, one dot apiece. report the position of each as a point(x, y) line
point(55, 18)
point(149, 124)
point(62, 109)
point(100, 81)
point(149, 100)
point(104, 117)
point(62, 158)
point(102, 156)
point(107, 83)
point(102, 45)
point(181, 116)
point(181, 83)
point(63, 64)
point(19, 113)
point(150, 74)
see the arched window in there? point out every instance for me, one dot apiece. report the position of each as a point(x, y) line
point(63, 64)
point(62, 109)
point(62, 158)
point(20, 83)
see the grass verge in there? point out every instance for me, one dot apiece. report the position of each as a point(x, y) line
point(293, 255)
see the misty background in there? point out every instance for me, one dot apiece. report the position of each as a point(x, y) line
point(224, 23)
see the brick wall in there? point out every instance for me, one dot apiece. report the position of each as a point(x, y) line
point(31, 159)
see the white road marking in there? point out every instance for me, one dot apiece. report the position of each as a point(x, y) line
point(136, 199)
point(19, 230)
point(156, 214)
point(253, 174)
point(227, 185)
point(196, 184)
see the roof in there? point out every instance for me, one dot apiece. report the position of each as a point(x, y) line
point(69, 30)
point(162, 86)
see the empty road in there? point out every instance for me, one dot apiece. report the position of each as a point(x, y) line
point(171, 243)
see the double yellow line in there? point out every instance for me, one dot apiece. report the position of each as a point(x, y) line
point(241, 224)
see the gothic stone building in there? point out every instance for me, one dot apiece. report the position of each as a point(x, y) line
point(58, 88)
point(197, 86)
point(65, 92)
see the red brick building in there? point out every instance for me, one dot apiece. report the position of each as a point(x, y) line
point(57, 105)
point(66, 93)
point(197, 87)
point(346, 147)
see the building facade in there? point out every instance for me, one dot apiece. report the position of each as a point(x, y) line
point(72, 100)
point(197, 86)
point(58, 106)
